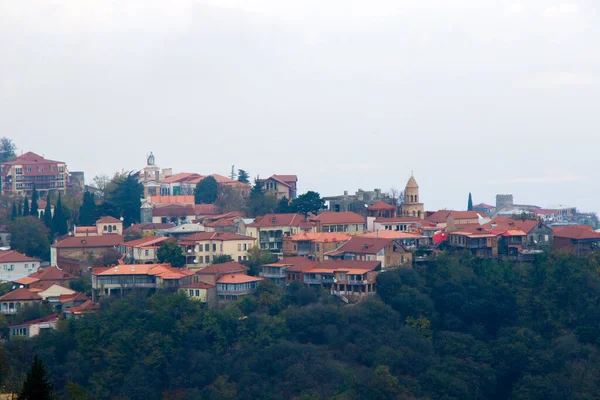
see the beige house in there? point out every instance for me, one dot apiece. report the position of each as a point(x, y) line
point(104, 226)
point(30, 170)
point(272, 228)
point(54, 292)
point(347, 222)
point(201, 248)
point(144, 250)
point(281, 186)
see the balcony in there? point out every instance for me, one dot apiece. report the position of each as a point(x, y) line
point(236, 292)
point(273, 275)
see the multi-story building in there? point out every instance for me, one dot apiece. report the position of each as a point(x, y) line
point(281, 186)
point(579, 239)
point(29, 171)
point(388, 252)
point(231, 287)
point(479, 241)
point(347, 222)
point(13, 301)
point(74, 252)
point(144, 250)
point(14, 265)
point(312, 244)
point(212, 273)
point(356, 202)
point(272, 228)
point(201, 248)
point(33, 328)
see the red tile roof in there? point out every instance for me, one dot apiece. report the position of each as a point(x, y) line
point(77, 296)
point(172, 200)
point(238, 278)
point(20, 294)
point(347, 264)
point(85, 229)
point(29, 158)
point(164, 271)
point(174, 210)
point(197, 285)
point(180, 177)
point(224, 268)
point(271, 220)
point(576, 232)
point(439, 217)
point(347, 217)
point(298, 264)
point(51, 274)
point(107, 219)
point(150, 241)
point(221, 236)
point(207, 209)
point(89, 241)
point(287, 178)
point(402, 220)
point(363, 245)
point(49, 318)
point(467, 214)
point(320, 237)
point(147, 226)
point(381, 206)
point(483, 205)
point(86, 307)
point(221, 223)
point(392, 235)
point(15, 256)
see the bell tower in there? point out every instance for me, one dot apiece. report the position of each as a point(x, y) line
point(412, 206)
point(151, 177)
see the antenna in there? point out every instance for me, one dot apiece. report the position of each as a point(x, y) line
point(233, 174)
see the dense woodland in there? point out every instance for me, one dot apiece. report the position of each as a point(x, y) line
point(459, 328)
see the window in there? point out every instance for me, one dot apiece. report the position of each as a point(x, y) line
point(19, 170)
point(546, 238)
point(146, 252)
point(239, 247)
point(41, 169)
point(239, 258)
point(105, 228)
point(214, 247)
point(191, 292)
point(207, 259)
point(197, 293)
point(206, 247)
point(245, 246)
point(28, 169)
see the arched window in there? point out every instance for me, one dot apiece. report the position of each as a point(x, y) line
point(11, 306)
point(416, 198)
point(105, 228)
point(114, 227)
point(109, 229)
point(414, 214)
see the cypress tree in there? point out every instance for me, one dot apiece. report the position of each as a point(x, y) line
point(20, 208)
point(48, 214)
point(14, 213)
point(34, 203)
point(25, 207)
point(59, 222)
point(470, 204)
point(87, 211)
point(36, 385)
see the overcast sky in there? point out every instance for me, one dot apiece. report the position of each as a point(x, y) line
point(473, 95)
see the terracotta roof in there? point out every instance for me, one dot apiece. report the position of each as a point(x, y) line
point(85, 229)
point(89, 241)
point(507, 223)
point(412, 183)
point(363, 245)
point(147, 241)
point(164, 271)
point(238, 278)
point(475, 230)
point(174, 210)
point(180, 177)
point(49, 318)
point(197, 285)
point(107, 219)
point(77, 296)
point(576, 232)
point(15, 256)
point(147, 226)
point(50, 274)
point(26, 280)
point(347, 217)
point(224, 268)
point(221, 222)
point(348, 264)
point(320, 237)
point(391, 235)
point(31, 157)
point(513, 232)
point(297, 264)
point(467, 214)
point(20, 294)
point(439, 217)
point(40, 286)
point(172, 200)
point(381, 206)
point(271, 220)
point(86, 307)
point(287, 178)
point(207, 209)
point(483, 205)
point(221, 236)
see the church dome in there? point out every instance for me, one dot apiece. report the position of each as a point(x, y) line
point(412, 183)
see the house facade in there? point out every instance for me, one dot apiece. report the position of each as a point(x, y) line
point(580, 239)
point(13, 301)
point(33, 328)
point(312, 244)
point(281, 186)
point(389, 253)
point(271, 229)
point(144, 250)
point(80, 249)
point(14, 265)
point(477, 240)
point(231, 287)
point(201, 248)
point(347, 222)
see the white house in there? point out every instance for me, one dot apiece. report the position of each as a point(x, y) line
point(33, 328)
point(14, 265)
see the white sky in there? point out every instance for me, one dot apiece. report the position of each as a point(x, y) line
point(486, 96)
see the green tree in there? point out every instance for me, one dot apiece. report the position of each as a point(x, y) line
point(14, 214)
point(221, 258)
point(48, 215)
point(259, 202)
point(283, 207)
point(243, 176)
point(29, 236)
point(59, 220)
point(20, 208)
point(123, 196)
point(172, 253)
point(7, 149)
point(309, 202)
point(88, 213)
point(470, 203)
point(207, 191)
point(36, 385)
point(35, 196)
point(258, 257)
point(25, 207)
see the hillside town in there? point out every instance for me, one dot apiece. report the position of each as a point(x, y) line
point(217, 239)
